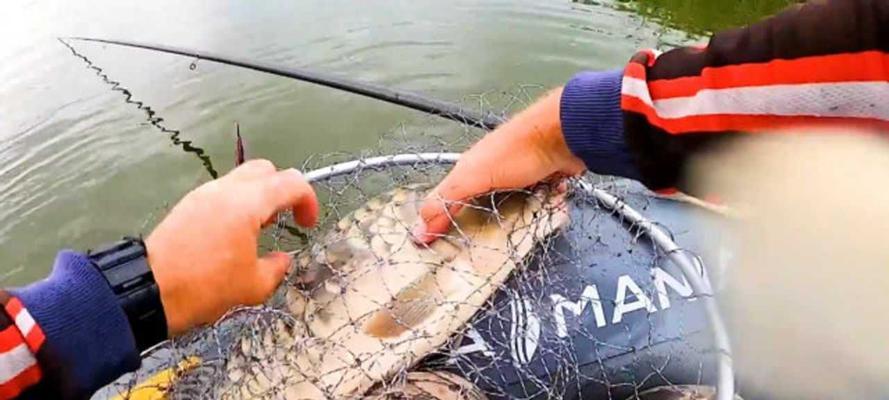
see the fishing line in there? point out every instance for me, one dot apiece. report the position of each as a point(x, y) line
point(151, 115)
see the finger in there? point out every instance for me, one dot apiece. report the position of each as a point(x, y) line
point(270, 271)
point(254, 168)
point(500, 160)
point(557, 182)
point(446, 200)
point(288, 189)
point(427, 232)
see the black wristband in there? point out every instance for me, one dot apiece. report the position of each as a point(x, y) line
point(125, 266)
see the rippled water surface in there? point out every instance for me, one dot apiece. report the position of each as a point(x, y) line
point(80, 165)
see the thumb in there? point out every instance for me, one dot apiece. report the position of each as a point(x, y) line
point(270, 271)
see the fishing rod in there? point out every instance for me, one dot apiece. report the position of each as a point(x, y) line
point(407, 99)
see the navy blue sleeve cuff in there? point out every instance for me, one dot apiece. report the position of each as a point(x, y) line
point(87, 333)
point(593, 124)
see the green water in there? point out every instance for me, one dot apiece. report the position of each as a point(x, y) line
point(80, 166)
point(702, 17)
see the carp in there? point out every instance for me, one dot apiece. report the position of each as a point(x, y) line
point(368, 302)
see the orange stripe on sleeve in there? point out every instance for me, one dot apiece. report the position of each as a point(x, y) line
point(31, 332)
point(35, 339)
point(848, 67)
point(635, 70)
point(15, 386)
point(10, 338)
point(14, 307)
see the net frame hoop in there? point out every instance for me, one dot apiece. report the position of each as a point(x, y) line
point(725, 385)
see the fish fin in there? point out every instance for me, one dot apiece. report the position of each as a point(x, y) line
point(240, 155)
point(407, 310)
point(295, 301)
point(401, 318)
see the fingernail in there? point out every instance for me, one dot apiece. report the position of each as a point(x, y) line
point(419, 234)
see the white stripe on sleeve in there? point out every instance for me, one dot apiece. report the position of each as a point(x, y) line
point(840, 99)
point(15, 361)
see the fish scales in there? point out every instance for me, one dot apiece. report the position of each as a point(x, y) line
point(373, 303)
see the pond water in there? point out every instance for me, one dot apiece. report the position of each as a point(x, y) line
point(80, 165)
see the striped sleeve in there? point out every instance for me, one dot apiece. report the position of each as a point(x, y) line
point(21, 340)
point(825, 63)
point(86, 337)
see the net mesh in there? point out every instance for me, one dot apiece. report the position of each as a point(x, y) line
point(591, 309)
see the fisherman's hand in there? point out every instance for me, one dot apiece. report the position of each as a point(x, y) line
point(525, 150)
point(204, 253)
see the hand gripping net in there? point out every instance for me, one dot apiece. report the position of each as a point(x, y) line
point(607, 308)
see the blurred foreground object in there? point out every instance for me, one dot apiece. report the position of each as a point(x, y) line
point(679, 392)
point(808, 292)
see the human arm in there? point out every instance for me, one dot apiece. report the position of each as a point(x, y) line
point(822, 63)
point(524, 150)
point(204, 258)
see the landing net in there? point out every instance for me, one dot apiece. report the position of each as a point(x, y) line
point(606, 307)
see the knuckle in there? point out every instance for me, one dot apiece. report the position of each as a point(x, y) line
point(261, 165)
point(206, 192)
point(430, 210)
point(437, 208)
point(264, 201)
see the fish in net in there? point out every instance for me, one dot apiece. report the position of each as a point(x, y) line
point(569, 299)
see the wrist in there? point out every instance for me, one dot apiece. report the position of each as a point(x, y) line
point(592, 123)
point(546, 136)
point(159, 261)
point(124, 265)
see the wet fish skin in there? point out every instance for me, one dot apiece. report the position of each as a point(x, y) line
point(369, 303)
point(679, 392)
point(428, 385)
point(394, 302)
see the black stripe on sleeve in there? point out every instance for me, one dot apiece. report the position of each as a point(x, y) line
point(5, 319)
point(662, 157)
point(816, 28)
